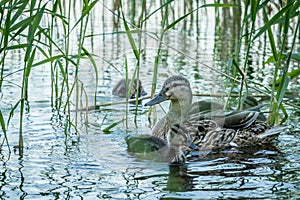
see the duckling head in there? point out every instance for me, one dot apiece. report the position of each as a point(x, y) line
point(137, 87)
point(122, 87)
point(179, 138)
point(176, 89)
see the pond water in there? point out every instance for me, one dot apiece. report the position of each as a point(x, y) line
point(92, 164)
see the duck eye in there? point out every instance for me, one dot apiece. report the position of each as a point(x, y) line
point(167, 89)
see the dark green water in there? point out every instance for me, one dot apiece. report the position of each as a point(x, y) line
point(96, 165)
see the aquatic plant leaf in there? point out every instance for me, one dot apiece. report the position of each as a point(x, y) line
point(48, 60)
point(273, 20)
point(91, 58)
point(86, 10)
point(253, 9)
point(32, 29)
point(282, 108)
point(2, 123)
point(296, 56)
point(270, 35)
point(12, 47)
point(203, 6)
point(291, 74)
point(220, 5)
point(130, 37)
point(49, 37)
point(107, 129)
point(282, 90)
point(29, 64)
point(11, 113)
point(159, 8)
point(20, 10)
point(22, 24)
point(2, 3)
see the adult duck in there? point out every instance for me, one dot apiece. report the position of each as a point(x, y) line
point(218, 128)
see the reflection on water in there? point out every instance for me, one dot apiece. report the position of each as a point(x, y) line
point(94, 165)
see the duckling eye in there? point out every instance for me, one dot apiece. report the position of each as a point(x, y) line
point(201, 129)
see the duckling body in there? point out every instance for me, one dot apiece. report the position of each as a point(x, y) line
point(172, 150)
point(241, 128)
point(121, 88)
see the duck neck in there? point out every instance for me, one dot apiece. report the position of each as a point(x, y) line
point(179, 112)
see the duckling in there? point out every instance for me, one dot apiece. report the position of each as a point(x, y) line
point(242, 126)
point(144, 143)
point(121, 88)
point(172, 150)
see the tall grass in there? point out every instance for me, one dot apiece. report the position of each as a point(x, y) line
point(25, 27)
point(284, 17)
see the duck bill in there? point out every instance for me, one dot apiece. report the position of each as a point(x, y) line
point(194, 147)
point(157, 99)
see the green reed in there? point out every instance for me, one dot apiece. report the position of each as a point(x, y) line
point(3, 127)
point(13, 10)
point(25, 27)
point(136, 46)
point(283, 18)
point(276, 103)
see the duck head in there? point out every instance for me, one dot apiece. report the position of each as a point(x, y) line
point(176, 89)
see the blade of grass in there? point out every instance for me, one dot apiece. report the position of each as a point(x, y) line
point(127, 95)
point(282, 90)
point(285, 78)
point(159, 8)
point(90, 56)
point(271, 37)
point(129, 35)
point(203, 6)
point(294, 56)
point(293, 74)
point(85, 12)
point(14, 47)
point(2, 123)
point(107, 129)
point(274, 19)
point(32, 29)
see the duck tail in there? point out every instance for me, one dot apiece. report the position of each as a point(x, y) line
point(272, 132)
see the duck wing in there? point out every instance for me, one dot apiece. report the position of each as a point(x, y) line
point(239, 119)
point(228, 119)
point(258, 133)
point(216, 138)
